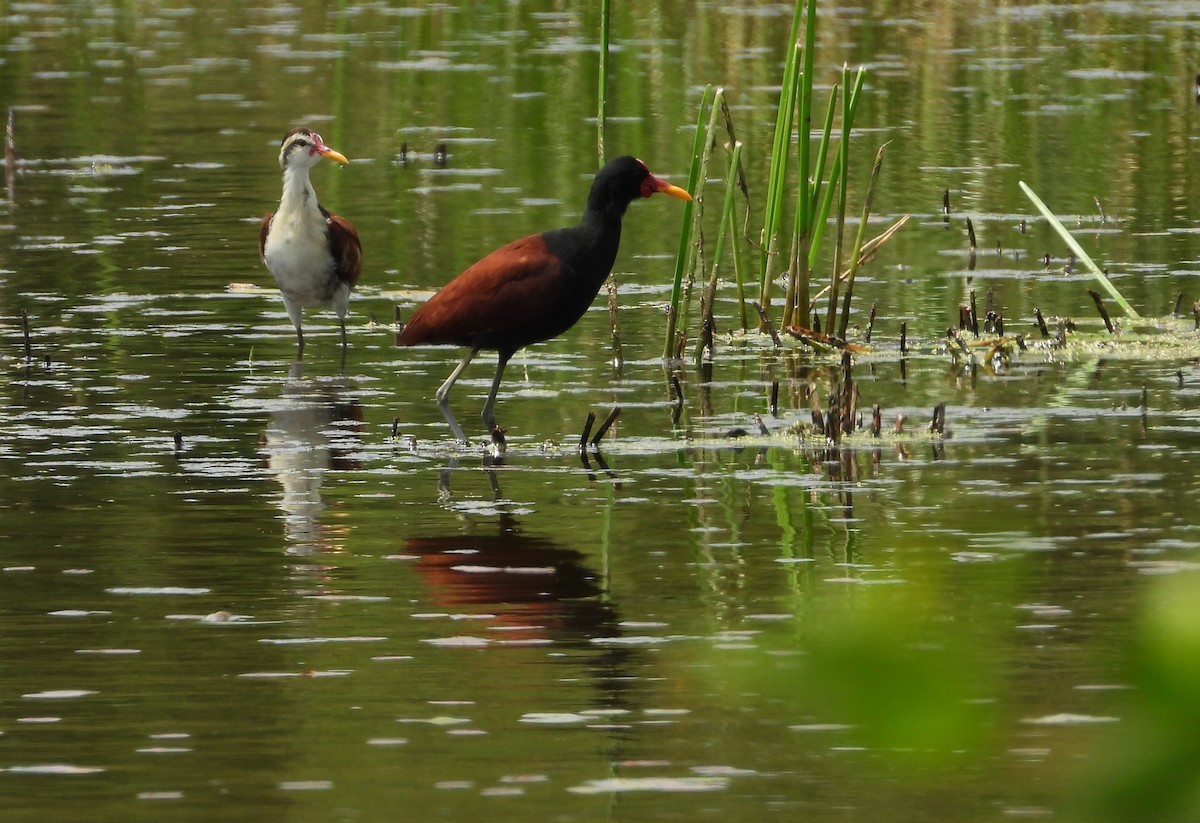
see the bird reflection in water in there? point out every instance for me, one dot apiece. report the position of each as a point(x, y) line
point(316, 426)
point(532, 588)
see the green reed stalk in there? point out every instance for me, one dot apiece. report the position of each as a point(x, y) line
point(843, 158)
point(685, 254)
point(1097, 272)
point(696, 260)
point(859, 239)
point(810, 223)
point(710, 290)
point(737, 180)
point(817, 214)
point(821, 218)
point(602, 86)
point(797, 284)
point(739, 275)
point(779, 161)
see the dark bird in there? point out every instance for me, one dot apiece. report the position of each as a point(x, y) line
point(314, 256)
point(535, 288)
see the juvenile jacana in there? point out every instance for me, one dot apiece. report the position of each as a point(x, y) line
point(535, 288)
point(314, 256)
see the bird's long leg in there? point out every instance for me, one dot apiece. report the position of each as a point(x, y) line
point(443, 395)
point(342, 320)
point(299, 343)
point(489, 419)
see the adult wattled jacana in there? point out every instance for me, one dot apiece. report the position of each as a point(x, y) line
point(314, 256)
point(535, 288)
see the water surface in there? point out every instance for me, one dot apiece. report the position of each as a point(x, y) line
point(312, 605)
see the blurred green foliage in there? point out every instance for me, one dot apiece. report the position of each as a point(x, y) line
point(1150, 769)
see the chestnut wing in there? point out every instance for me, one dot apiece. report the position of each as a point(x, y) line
point(497, 302)
point(264, 229)
point(346, 248)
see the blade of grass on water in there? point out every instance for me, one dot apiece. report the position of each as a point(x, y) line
point(1082, 255)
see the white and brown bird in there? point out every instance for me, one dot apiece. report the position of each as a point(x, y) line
point(315, 256)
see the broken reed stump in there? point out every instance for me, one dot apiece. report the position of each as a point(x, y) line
point(677, 409)
point(1099, 301)
point(587, 430)
point(974, 315)
point(1060, 335)
point(870, 324)
point(957, 346)
point(904, 330)
point(876, 420)
point(850, 416)
point(1041, 322)
point(818, 421)
point(774, 407)
point(767, 324)
point(762, 426)
point(847, 401)
point(1196, 314)
point(995, 323)
point(606, 425)
point(938, 424)
point(707, 333)
point(1178, 305)
point(833, 419)
point(971, 244)
point(25, 335)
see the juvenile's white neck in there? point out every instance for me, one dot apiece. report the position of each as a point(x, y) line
point(298, 193)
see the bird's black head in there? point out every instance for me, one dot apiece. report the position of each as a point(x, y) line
point(623, 180)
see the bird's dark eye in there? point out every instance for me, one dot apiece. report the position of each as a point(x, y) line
point(301, 142)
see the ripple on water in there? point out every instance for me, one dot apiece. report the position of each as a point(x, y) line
point(651, 784)
point(53, 768)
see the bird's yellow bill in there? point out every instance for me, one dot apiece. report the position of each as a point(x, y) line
point(675, 191)
point(653, 185)
point(338, 157)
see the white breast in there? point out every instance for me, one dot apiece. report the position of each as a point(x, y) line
point(297, 255)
